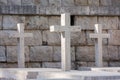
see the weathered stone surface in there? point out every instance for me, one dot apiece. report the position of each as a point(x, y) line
point(42, 3)
point(11, 65)
point(67, 2)
point(93, 2)
point(92, 64)
point(3, 2)
point(114, 37)
point(36, 22)
point(12, 53)
point(5, 40)
point(105, 2)
point(36, 39)
point(114, 64)
point(51, 65)
point(14, 2)
point(55, 3)
point(81, 2)
point(33, 65)
point(78, 38)
point(32, 75)
point(81, 64)
point(52, 10)
point(3, 65)
point(57, 53)
point(116, 2)
point(113, 52)
point(85, 53)
point(10, 22)
point(2, 53)
point(41, 53)
point(27, 2)
point(86, 22)
point(0, 22)
point(54, 20)
point(41, 10)
point(91, 41)
point(108, 22)
point(51, 38)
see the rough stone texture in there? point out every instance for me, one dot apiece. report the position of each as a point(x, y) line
point(92, 64)
point(114, 37)
point(42, 3)
point(52, 10)
point(57, 53)
point(113, 53)
point(33, 65)
point(51, 38)
point(10, 22)
point(85, 53)
point(114, 64)
point(35, 40)
point(41, 53)
point(54, 20)
point(116, 2)
point(32, 75)
point(81, 2)
point(86, 22)
point(0, 22)
point(14, 2)
point(81, 64)
point(78, 38)
point(12, 54)
point(67, 2)
point(5, 40)
point(27, 2)
point(51, 65)
point(36, 22)
point(105, 2)
point(93, 2)
point(2, 54)
point(108, 22)
point(11, 65)
point(55, 3)
point(3, 2)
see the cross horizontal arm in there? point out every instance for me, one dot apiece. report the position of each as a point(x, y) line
point(98, 35)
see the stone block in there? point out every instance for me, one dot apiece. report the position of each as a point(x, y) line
point(11, 65)
point(81, 2)
point(113, 53)
point(81, 64)
point(3, 2)
point(36, 39)
point(91, 41)
point(105, 2)
point(33, 65)
point(114, 37)
point(78, 38)
point(86, 23)
point(41, 10)
point(27, 2)
point(51, 38)
point(93, 10)
point(36, 22)
point(83, 10)
point(12, 53)
point(10, 22)
point(52, 10)
point(104, 10)
point(54, 20)
point(42, 3)
point(93, 2)
point(41, 53)
point(0, 22)
point(67, 2)
point(108, 22)
point(55, 3)
point(115, 2)
point(114, 64)
point(14, 2)
point(3, 65)
point(85, 53)
point(51, 65)
point(5, 40)
point(29, 9)
point(57, 53)
point(92, 64)
point(2, 54)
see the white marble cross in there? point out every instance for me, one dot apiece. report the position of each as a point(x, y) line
point(20, 34)
point(65, 30)
point(98, 44)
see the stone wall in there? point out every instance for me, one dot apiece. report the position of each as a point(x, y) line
point(43, 50)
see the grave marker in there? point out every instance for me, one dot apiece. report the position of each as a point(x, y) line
point(65, 30)
point(98, 44)
point(20, 34)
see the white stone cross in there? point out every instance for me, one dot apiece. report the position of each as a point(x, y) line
point(20, 34)
point(98, 44)
point(65, 30)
